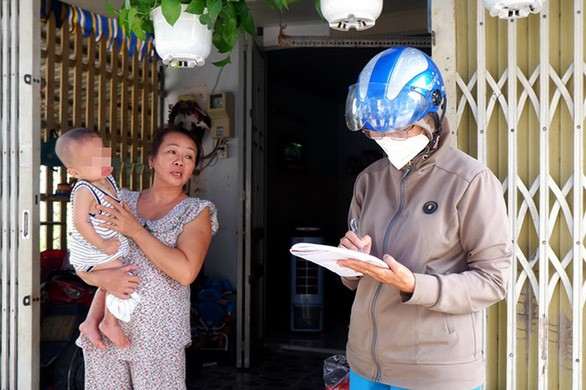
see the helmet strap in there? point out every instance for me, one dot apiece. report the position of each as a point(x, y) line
point(435, 137)
point(434, 143)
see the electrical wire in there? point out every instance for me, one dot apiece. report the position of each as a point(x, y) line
point(217, 79)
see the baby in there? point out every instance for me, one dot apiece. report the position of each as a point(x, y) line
point(94, 246)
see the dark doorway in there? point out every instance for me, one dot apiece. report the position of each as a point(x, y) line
point(312, 160)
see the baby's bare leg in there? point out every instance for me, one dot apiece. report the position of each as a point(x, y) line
point(89, 327)
point(116, 263)
point(111, 328)
point(106, 322)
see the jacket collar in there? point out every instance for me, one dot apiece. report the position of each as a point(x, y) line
point(433, 154)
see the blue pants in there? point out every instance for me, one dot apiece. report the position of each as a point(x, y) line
point(359, 383)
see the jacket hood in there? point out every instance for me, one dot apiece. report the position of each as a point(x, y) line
point(432, 155)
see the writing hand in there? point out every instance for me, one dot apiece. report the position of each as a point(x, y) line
point(353, 242)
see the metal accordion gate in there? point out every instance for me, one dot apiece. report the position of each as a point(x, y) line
point(19, 143)
point(56, 76)
point(519, 107)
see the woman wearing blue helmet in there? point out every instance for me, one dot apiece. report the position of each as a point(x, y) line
point(438, 219)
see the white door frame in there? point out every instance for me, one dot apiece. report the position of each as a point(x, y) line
point(19, 195)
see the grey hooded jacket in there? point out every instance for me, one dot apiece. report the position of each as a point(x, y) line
point(444, 217)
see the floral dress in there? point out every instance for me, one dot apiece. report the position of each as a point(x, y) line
point(160, 325)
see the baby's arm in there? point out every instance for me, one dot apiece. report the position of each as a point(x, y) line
point(84, 202)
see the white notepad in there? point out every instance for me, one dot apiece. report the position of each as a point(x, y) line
point(327, 257)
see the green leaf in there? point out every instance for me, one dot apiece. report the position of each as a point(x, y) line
point(111, 10)
point(214, 8)
point(171, 10)
point(247, 23)
point(196, 7)
point(318, 8)
point(137, 29)
point(225, 35)
point(227, 13)
point(225, 61)
point(230, 34)
point(280, 4)
point(122, 18)
point(147, 26)
point(146, 6)
point(131, 23)
point(206, 21)
point(271, 4)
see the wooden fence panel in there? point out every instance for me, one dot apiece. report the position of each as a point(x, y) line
point(88, 84)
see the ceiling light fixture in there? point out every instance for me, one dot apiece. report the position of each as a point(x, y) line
point(513, 9)
point(346, 14)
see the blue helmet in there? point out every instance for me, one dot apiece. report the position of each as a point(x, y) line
point(397, 87)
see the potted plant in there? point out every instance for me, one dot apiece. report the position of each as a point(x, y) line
point(341, 14)
point(226, 19)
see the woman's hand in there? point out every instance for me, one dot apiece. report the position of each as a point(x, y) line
point(396, 275)
point(120, 219)
point(117, 281)
point(355, 243)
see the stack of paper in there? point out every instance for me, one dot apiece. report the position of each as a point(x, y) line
point(327, 256)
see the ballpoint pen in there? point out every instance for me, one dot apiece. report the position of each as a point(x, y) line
point(354, 228)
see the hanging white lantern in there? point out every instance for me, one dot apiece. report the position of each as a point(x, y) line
point(513, 9)
point(187, 43)
point(346, 14)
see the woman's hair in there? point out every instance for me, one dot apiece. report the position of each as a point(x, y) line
point(162, 132)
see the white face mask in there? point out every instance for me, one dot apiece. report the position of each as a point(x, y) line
point(400, 152)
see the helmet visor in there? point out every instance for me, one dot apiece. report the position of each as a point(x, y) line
point(369, 108)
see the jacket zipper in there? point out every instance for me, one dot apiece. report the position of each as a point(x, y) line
point(377, 293)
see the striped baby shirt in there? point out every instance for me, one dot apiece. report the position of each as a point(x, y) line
point(84, 256)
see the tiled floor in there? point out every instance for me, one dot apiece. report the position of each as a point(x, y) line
point(277, 369)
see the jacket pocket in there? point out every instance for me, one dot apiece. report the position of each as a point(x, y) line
point(447, 338)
